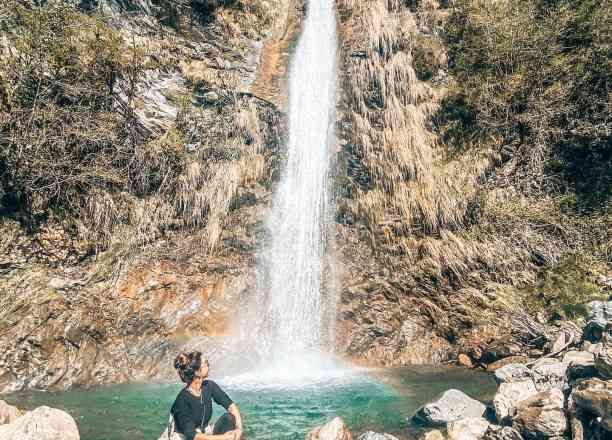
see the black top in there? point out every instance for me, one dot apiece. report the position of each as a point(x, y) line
point(191, 412)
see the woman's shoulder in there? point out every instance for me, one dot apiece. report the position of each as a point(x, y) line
point(181, 397)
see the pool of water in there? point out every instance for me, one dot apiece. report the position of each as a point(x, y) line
point(379, 400)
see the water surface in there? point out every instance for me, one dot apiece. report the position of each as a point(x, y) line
point(379, 400)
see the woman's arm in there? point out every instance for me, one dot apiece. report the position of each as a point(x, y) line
point(233, 410)
point(230, 435)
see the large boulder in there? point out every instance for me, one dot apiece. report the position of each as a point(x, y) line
point(472, 428)
point(452, 405)
point(550, 373)
point(335, 429)
point(494, 432)
point(513, 373)
point(43, 423)
point(603, 361)
point(371, 435)
point(541, 416)
point(593, 397)
point(8, 413)
point(509, 395)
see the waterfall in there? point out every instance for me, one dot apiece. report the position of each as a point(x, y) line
point(290, 313)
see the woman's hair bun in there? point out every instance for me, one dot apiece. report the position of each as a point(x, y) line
point(181, 361)
point(187, 365)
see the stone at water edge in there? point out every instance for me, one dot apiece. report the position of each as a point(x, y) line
point(491, 368)
point(371, 435)
point(452, 405)
point(8, 413)
point(432, 435)
point(335, 429)
point(509, 395)
point(541, 416)
point(472, 428)
point(464, 360)
point(512, 373)
point(43, 423)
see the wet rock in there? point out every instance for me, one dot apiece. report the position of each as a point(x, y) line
point(501, 433)
point(433, 435)
point(501, 349)
point(541, 416)
point(43, 423)
point(550, 373)
point(506, 361)
point(509, 395)
point(335, 429)
point(580, 364)
point(472, 428)
point(8, 413)
point(513, 373)
point(371, 435)
point(464, 360)
point(593, 397)
point(603, 361)
point(451, 406)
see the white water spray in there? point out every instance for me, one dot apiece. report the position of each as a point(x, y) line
point(291, 305)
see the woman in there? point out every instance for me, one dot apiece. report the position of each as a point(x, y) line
point(192, 408)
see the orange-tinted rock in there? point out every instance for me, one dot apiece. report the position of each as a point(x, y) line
point(464, 360)
point(505, 361)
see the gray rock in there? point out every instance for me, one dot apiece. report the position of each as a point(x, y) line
point(550, 373)
point(599, 320)
point(509, 395)
point(512, 373)
point(471, 428)
point(593, 397)
point(371, 435)
point(43, 423)
point(580, 364)
point(603, 361)
point(541, 416)
point(8, 413)
point(452, 405)
point(501, 433)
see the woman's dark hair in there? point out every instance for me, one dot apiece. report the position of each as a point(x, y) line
point(187, 364)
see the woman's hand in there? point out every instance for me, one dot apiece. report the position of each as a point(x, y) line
point(238, 434)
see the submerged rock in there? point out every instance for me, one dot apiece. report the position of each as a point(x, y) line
point(472, 428)
point(335, 429)
point(541, 416)
point(8, 413)
point(43, 423)
point(371, 435)
point(451, 406)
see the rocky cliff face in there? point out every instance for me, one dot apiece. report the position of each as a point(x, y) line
point(75, 313)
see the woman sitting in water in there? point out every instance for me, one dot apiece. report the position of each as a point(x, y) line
point(192, 408)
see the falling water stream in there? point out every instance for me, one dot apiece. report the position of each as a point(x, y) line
point(288, 320)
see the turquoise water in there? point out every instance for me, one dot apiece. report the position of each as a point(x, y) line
point(380, 400)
